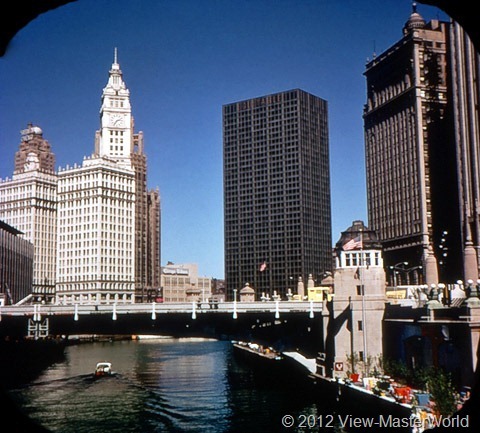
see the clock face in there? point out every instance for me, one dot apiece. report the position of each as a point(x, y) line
point(116, 120)
point(31, 162)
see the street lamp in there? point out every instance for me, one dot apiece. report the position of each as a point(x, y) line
point(407, 271)
point(443, 250)
point(395, 267)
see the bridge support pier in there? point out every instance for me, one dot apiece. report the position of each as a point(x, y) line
point(38, 328)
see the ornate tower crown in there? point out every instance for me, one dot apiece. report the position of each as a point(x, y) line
point(114, 140)
point(115, 80)
point(33, 144)
point(415, 21)
point(358, 237)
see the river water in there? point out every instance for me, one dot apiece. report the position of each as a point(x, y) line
point(164, 385)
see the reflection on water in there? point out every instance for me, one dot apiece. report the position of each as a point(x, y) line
point(161, 386)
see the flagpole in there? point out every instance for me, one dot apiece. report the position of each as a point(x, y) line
point(364, 328)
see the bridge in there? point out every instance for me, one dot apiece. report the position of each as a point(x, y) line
point(296, 324)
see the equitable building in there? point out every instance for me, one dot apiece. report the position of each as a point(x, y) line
point(276, 191)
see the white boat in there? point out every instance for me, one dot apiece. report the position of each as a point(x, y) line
point(103, 369)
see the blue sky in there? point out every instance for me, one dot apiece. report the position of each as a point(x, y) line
point(182, 60)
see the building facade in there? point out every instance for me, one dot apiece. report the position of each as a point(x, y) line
point(277, 211)
point(109, 224)
point(412, 176)
point(357, 310)
point(96, 214)
point(153, 246)
point(181, 283)
point(16, 265)
point(465, 67)
point(118, 140)
point(28, 202)
point(433, 330)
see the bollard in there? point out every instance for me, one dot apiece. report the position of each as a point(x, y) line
point(154, 314)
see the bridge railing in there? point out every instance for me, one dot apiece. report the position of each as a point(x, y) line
point(38, 310)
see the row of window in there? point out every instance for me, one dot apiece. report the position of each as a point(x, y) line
point(116, 102)
point(119, 237)
point(74, 183)
point(93, 217)
point(359, 258)
point(12, 196)
point(122, 271)
point(114, 269)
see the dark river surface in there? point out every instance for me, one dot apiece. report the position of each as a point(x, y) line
point(163, 385)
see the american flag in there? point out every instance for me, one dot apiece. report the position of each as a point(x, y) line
point(263, 266)
point(353, 244)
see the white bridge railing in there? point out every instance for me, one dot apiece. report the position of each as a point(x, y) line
point(37, 311)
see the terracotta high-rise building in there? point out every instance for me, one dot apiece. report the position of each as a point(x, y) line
point(109, 223)
point(276, 191)
point(422, 153)
point(465, 73)
point(118, 139)
point(28, 202)
point(405, 121)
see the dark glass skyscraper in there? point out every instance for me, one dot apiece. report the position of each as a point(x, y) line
point(276, 191)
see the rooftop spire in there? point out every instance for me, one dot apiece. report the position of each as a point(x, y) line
point(115, 65)
point(415, 21)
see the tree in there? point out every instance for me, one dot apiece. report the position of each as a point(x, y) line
point(441, 389)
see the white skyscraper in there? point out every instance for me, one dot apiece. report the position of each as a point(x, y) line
point(96, 210)
point(28, 203)
point(95, 226)
point(118, 141)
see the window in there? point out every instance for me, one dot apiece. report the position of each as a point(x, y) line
point(355, 260)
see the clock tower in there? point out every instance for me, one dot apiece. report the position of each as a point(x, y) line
point(115, 138)
point(117, 144)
